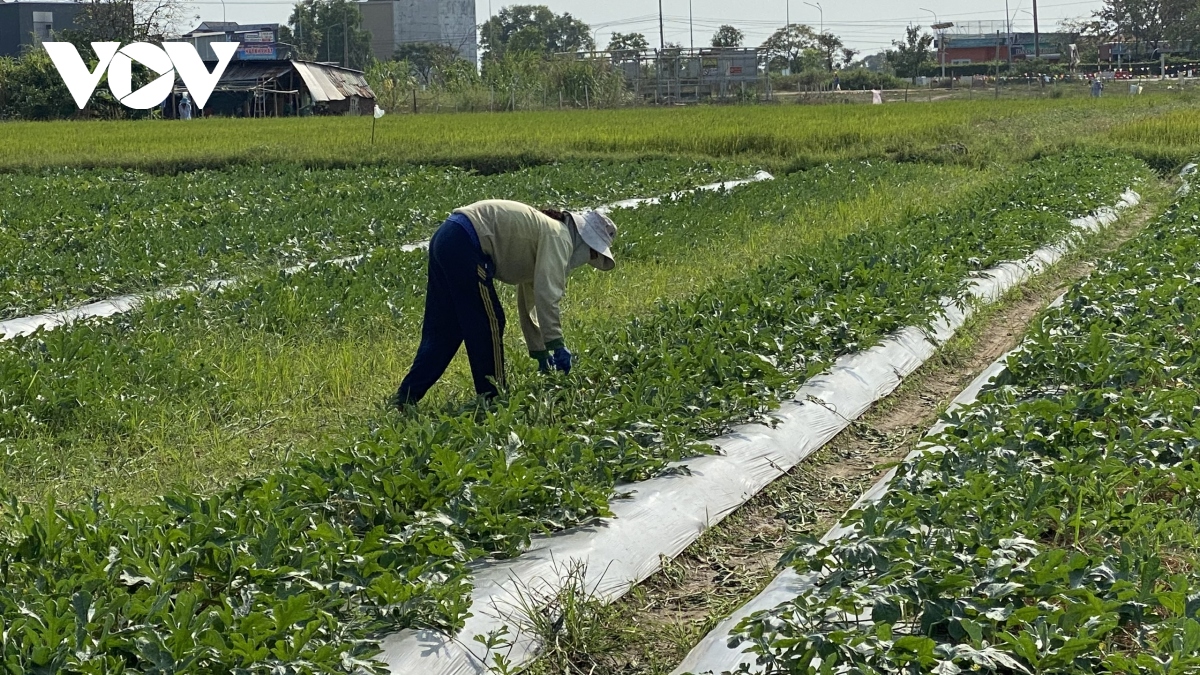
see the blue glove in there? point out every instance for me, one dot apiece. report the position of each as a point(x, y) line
point(562, 360)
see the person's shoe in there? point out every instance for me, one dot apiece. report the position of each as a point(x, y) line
point(402, 403)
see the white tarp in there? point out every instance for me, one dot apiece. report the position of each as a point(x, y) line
point(665, 515)
point(1184, 175)
point(27, 325)
point(713, 654)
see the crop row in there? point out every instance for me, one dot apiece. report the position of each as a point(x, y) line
point(99, 398)
point(304, 567)
point(68, 236)
point(1052, 528)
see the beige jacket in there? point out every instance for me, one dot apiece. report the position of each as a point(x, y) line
point(535, 253)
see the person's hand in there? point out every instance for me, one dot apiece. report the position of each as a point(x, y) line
point(562, 360)
point(543, 359)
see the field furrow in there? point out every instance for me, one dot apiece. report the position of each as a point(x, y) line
point(372, 530)
point(1048, 527)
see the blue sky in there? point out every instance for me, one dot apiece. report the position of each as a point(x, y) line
point(867, 25)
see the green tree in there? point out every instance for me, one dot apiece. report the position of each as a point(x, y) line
point(32, 89)
point(728, 37)
point(392, 82)
point(329, 30)
point(1151, 21)
point(533, 29)
point(911, 53)
point(624, 45)
point(786, 47)
point(828, 45)
point(109, 21)
point(426, 58)
point(848, 55)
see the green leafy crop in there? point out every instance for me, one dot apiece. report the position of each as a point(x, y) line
point(300, 570)
point(68, 236)
point(1054, 526)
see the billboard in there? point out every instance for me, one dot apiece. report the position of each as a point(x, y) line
point(257, 45)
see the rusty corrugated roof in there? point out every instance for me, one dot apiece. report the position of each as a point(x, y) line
point(331, 83)
point(246, 75)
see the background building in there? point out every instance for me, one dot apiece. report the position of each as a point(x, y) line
point(24, 24)
point(392, 23)
point(256, 41)
point(967, 49)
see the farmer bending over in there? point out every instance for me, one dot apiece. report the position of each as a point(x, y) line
point(517, 244)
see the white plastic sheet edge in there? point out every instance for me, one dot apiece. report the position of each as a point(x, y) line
point(1184, 175)
point(713, 654)
point(125, 303)
point(665, 515)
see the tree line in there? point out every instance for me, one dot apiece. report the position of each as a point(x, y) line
point(517, 45)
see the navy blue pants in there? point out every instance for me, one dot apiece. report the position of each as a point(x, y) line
point(460, 306)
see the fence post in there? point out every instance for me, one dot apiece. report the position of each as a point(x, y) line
point(587, 98)
point(414, 100)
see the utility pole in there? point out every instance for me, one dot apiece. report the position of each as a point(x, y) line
point(822, 11)
point(345, 38)
point(998, 63)
point(941, 28)
point(788, 13)
point(1037, 43)
point(941, 39)
point(662, 35)
point(691, 27)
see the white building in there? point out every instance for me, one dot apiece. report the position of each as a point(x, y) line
point(392, 23)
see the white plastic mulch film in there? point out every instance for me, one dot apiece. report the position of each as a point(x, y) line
point(125, 303)
point(713, 655)
point(665, 515)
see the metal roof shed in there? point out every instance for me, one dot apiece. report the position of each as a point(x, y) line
point(266, 88)
point(331, 83)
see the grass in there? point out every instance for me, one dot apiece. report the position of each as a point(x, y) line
point(776, 135)
point(286, 394)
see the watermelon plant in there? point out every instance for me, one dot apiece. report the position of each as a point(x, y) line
point(67, 236)
point(302, 569)
point(1054, 527)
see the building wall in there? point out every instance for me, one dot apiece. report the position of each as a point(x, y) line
point(16, 22)
point(396, 22)
point(975, 54)
point(378, 19)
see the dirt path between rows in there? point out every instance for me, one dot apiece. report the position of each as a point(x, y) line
point(651, 630)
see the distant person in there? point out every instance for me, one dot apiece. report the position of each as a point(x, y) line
point(1097, 88)
point(517, 244)
point(837, 83)
point(876, 97)
point(185, 108)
